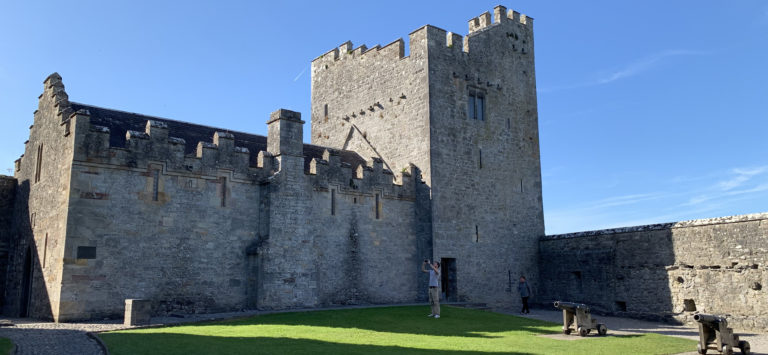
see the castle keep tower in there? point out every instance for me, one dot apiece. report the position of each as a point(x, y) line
point(463, 110)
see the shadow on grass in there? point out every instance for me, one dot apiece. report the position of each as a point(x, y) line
point(137, 344)
point(407, 320)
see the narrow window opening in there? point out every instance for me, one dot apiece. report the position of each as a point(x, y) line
point(509, 124)
point(325, 110)
point(689, 305)
point(354, 200)
point(576, 275)
point(223, 181)
point(39, 165)
point(477, 234)
point(621, 306)
point(476, 105)
point(333, 202)
point(521, 185)
point(45, 249)
point(480, 160)
point(155, 184)
point(86, 252)
point(378, 207)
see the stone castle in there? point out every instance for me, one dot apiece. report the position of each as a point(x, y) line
point(431, 155)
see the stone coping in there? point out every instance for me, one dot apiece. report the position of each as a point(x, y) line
point(662, 226)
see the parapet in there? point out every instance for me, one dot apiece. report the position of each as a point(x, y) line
point(369, 178)
point(662, 226)
point(111, 137)
point(500, 15)
point(516, 26)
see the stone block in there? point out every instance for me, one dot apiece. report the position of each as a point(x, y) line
point(137, 312)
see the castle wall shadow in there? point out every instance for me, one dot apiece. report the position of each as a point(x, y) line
point(25, 289)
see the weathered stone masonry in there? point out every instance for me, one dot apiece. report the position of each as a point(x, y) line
point(107, 205)
point(664, 271)
point(203, 226)
point(484, 173)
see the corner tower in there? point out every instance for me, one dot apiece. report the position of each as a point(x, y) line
point(464, 111)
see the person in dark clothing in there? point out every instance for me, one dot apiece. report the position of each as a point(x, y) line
point(525, 292)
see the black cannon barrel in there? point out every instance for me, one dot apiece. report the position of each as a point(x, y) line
point(708, 318)
point(571, 306)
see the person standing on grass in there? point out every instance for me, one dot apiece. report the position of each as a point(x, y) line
point(434, 290)
point(525, 292)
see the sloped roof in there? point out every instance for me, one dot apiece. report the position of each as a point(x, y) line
point(119, 122)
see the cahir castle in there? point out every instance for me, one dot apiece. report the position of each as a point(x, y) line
point(431, 155)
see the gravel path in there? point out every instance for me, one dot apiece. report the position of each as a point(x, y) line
point(47, 338)
point(757, 341)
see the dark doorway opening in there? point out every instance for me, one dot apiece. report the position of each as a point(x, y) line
point(26, 284)
point(448, 278)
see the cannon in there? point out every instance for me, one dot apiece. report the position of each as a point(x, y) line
point(584, 321)
point(714, 334)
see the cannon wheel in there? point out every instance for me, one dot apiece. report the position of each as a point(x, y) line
point(701, 350)
point(602, 329)
point(744, 347)
point(567, 331)
point(582, 331)
point(726, 350)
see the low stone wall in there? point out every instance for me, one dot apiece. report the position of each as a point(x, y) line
point(664, 271)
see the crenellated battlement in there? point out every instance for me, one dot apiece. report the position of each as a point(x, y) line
point(95, 144)
point(516, 25)
point(395, 50)
point(330, 171)
point(500, 15)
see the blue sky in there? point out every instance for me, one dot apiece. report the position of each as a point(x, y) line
point(649, 112)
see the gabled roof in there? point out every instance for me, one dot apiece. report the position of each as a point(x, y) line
point(119, 122)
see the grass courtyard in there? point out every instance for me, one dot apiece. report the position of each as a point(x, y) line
point(390, 330)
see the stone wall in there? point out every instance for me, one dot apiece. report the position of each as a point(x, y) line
point(375, 102)
point(40, 212)
point(209, 232)
point(664, 271)
point(484, 175)
point(486, 183)
point(7, 197)
point(340, 234)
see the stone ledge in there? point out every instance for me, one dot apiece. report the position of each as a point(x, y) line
point(662, 226)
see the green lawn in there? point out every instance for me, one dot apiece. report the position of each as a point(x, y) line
point(391, 330)
point(5, 346)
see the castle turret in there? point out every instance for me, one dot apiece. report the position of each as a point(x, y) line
point(284, 139)
point(462, 110)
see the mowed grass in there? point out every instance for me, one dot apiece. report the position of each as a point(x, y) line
point(6, 345)
point(390, 330)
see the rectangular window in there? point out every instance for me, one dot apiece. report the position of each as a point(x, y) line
point(476, 105)
point(223, 181)
point(86, 252)
point(39, 165)
point(378, 207)
point(333, 202)
point(155, 184)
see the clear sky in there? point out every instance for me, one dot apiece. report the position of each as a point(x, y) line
point(651, 111)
